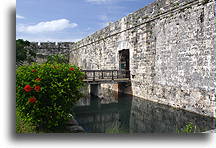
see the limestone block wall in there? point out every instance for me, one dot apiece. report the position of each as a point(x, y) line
point(45, 49)
point(172, 57)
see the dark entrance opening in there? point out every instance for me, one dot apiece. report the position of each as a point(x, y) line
point(124, 67)
point(124, 61)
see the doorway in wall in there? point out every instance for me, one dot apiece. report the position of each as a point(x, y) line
point(124, 61)
point(124, 65)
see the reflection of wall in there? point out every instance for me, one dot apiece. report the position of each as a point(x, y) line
point(129, 114)
point(171, 47)
point(150, 117)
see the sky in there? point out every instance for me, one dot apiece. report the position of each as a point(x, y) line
point(69, 20)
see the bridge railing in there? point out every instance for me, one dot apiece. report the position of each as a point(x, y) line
point(106, 74)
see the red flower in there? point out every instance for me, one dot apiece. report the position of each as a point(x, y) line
point(38, 79)
point(71, 69)
point(33, 70)
point(37, 88)
point(32, 100)
point(27, 88)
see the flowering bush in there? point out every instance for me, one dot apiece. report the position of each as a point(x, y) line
point(46, 93)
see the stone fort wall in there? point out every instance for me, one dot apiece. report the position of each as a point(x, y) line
point(172, 57)
point(45, 49)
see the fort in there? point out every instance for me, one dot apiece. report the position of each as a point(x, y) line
point(168, 47)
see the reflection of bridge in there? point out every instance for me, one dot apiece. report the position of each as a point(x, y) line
point(106, 76)
point(96, 117)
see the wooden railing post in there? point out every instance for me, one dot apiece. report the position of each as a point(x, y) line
point(102, 77)
point(112, 75)
point(86, 75)
point(93, 75)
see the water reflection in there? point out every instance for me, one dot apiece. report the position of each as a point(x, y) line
point(128, 114)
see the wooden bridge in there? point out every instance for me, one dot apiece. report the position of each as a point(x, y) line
point(106, 76)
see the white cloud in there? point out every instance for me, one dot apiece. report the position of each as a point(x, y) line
point(49, 26)
point(19, 16)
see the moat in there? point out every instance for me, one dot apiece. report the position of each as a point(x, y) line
point(122, 113)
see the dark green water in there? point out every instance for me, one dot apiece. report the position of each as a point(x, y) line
point(128, 114)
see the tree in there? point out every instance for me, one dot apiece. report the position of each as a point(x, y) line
point(22, 53)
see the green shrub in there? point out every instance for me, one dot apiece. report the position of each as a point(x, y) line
point(188, 128)
point(58, 58)
point(23, 126)
point(46, 93)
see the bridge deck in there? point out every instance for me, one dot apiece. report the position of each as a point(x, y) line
point(98, 81)
point(106, 76)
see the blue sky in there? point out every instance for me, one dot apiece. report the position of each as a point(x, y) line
point(69, 20)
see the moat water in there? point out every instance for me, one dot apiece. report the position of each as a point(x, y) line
point(124, 113)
